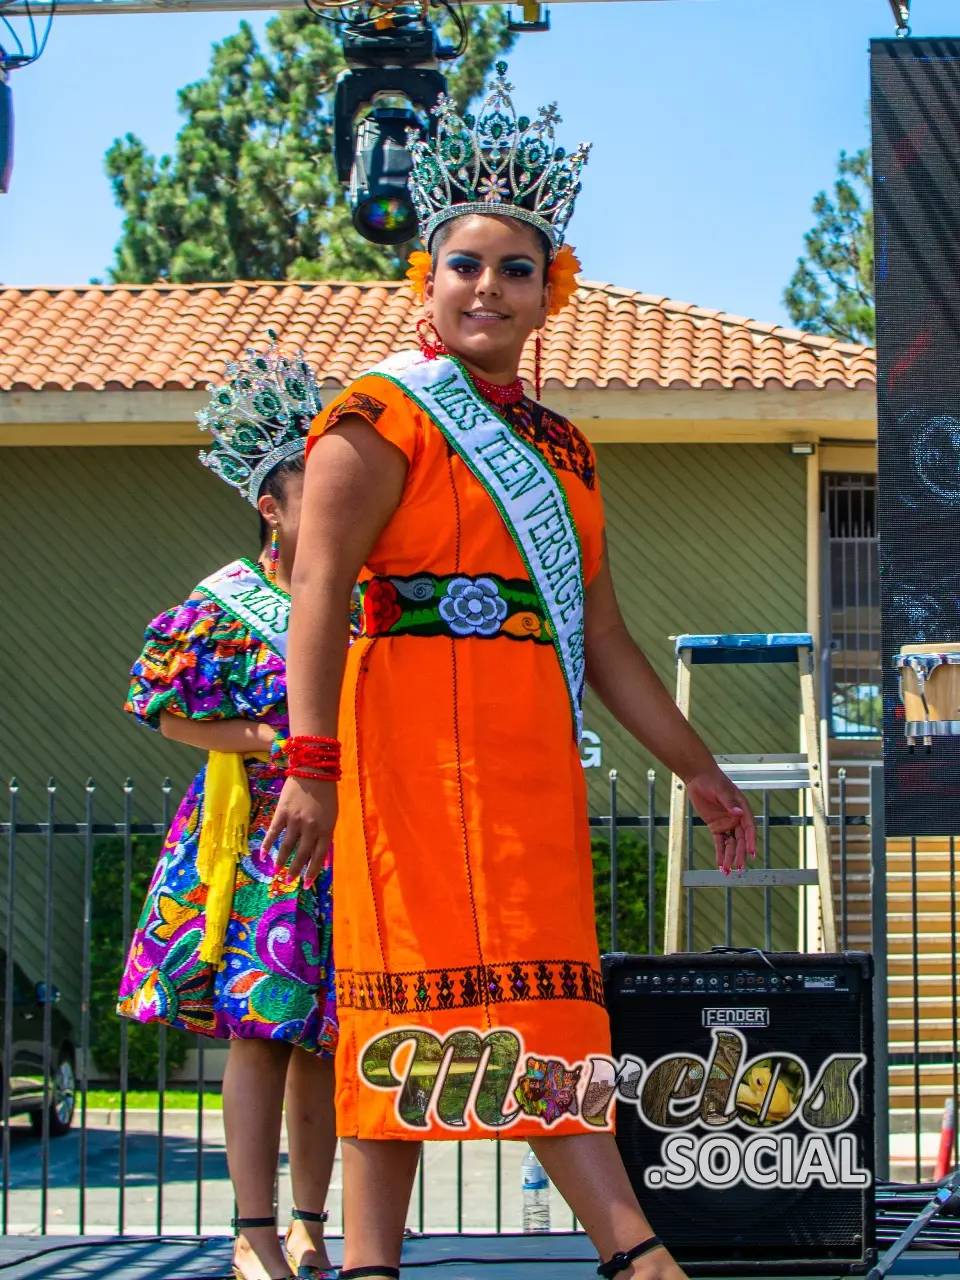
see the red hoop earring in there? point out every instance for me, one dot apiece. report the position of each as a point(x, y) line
point(537, 360)
point(431, 348)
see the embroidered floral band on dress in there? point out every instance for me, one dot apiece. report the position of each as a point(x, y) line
point(455, 605)
point(512, 982)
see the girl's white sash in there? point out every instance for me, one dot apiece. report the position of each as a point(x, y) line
point(259, 605)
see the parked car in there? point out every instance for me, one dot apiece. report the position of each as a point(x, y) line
point(24, 1076)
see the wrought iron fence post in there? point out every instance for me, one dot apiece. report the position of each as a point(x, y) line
point(47, 1006)
point(614, 901)
point(652, 861)
point(8, 993)
point(422, 1193)
point(85, 982)
point(162, 1049)
point(688, 811)
point(767, 895)
point(124, 1031)
point(201, 1077)
point(878, 912)
point(498, 1217)
point(459, 1188)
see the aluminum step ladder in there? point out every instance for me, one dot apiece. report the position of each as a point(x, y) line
point(801, 772)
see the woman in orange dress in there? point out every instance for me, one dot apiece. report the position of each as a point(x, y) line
point(469, 989)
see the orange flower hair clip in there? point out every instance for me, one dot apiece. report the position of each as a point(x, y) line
point(418, 268)
point(561, 275)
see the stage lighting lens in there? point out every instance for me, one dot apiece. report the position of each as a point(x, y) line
point(388, 216)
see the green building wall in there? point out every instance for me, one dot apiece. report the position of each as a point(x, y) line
point(702, 538)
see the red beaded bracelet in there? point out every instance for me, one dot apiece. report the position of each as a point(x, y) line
point(313, 757)
point(332, 775)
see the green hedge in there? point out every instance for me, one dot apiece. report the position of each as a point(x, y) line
point(107, 959)
point(632, 892)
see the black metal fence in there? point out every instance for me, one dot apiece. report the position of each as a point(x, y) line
point(160, 1168)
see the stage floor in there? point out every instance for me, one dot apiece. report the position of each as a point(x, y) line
point(453, 1257)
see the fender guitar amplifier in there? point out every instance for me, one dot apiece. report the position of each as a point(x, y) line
point(744, 1104)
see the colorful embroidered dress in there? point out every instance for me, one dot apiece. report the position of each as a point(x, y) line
point(463, 884)
point(275, 979)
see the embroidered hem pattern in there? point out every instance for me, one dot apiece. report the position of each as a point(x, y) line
point(512, 982)
point(455, 605)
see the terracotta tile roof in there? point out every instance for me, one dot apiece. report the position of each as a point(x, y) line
point(178, 337)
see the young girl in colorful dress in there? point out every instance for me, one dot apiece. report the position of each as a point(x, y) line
point(227, 945)
point(469, 989)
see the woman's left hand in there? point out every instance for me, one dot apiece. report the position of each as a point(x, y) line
point(724, 809)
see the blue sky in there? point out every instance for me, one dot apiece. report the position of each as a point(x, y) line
point(714, 124)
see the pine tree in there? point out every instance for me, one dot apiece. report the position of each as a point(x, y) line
point(251, 191)
point(831, 291)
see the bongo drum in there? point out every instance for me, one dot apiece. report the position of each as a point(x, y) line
point(930, 690)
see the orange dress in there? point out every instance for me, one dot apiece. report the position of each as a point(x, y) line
point(463, 886)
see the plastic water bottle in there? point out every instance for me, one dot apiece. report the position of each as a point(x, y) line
point(536, 1194)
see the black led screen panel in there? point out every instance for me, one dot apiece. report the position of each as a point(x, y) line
point(915, 95)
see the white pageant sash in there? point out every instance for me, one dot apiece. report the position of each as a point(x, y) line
point(526, 490)
point(245, 594)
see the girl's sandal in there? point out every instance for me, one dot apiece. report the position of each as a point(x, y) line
point(305, 1271)
point(622, 1261)
point(244, 1224)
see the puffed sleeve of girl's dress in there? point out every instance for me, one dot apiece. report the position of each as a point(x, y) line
point(188, 665)
point(384, 407)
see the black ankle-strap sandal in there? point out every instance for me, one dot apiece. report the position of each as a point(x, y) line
point(306, 1270)
point(620, 1261)
point(247, 1224)
point(357, 1273)
point(304, 1215)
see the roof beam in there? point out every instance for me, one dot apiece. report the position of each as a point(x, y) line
point(608, 416)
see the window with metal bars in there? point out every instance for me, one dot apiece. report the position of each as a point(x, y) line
point(850, 605)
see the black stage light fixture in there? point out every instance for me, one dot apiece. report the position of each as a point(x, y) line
point(374, 107)
point(6, 132)
point(379, 197)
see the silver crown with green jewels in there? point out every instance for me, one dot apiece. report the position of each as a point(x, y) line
point(495, 158)
point(259, 417)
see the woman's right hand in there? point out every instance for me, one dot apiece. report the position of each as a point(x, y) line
point(303, 824)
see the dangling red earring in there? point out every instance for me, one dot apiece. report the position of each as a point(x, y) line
point(431, 348)
point(537, 360)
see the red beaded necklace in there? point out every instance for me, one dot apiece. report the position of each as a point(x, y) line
point(433, 347)
point(512, 393)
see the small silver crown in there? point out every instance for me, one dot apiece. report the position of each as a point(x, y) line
point(259, 417)
point(495, 158)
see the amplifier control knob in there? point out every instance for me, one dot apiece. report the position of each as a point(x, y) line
point(698, 982)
